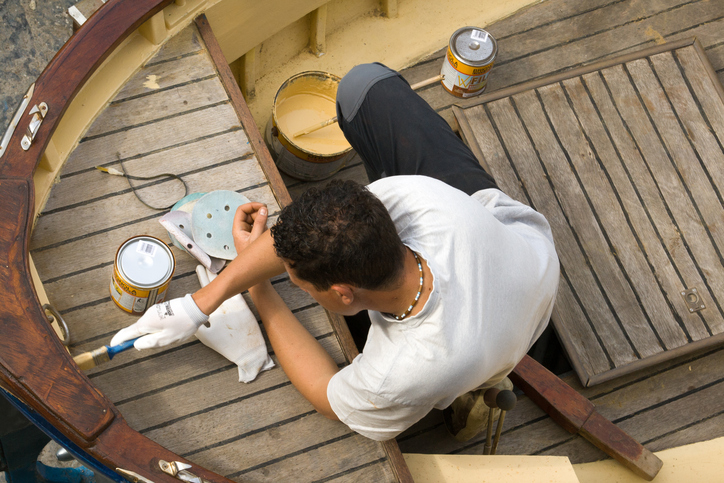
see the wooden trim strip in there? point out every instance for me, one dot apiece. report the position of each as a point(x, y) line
point(709, 68)
point(655, 359)
point(242, 110)
point(579, 71)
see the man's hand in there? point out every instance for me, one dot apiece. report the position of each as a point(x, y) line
point(164, 324)
point(249, 223)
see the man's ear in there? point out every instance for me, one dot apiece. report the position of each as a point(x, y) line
point(345, 292)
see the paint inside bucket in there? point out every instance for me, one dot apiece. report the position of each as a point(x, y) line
point(303, 101)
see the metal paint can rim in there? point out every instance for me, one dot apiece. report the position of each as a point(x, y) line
point(139, 261)
point(486, 49)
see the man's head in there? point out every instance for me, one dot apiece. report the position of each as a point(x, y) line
point(340, 234)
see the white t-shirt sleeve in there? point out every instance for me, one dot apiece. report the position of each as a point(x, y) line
point(366, 412)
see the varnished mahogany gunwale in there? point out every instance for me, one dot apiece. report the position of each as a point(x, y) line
point(34, 366)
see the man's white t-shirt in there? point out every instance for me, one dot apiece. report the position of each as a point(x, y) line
point(495, 276)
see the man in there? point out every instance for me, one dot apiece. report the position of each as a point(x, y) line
point(458, 279)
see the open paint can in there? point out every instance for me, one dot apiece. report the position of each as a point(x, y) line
point(305, 100)
point(142, 272)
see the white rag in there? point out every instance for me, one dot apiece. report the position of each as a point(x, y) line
point(235, 334)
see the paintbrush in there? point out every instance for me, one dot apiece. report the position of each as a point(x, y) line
point(88, 360)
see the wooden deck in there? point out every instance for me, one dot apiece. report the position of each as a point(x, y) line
point(176, 116)
point(625, 162)
point(671, 403)
point(177, 395)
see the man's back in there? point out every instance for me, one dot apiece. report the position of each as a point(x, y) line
point(495, 277)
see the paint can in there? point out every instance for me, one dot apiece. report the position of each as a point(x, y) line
point(470, 56)
point(142, 272)
point(303, 100)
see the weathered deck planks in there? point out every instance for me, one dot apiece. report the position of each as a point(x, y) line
point(671, 405)
point(564, 148)
point(557, 35)
point(550, 38)
point(175, 116)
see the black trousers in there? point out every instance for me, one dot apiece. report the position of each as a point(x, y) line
point(396, 132)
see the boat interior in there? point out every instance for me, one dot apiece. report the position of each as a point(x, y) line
point(606, 115)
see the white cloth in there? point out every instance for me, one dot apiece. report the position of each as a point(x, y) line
point(234, 333)
point(495, 275)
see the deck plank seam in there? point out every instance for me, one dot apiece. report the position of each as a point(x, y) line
point(693, 147)
point(704, 116)
point(209, 409)
point(247, 157)
point(155, 151)
point(180, 382)
point(163, 89)
point(176, 277)
point(563, 271)
point(154, 121)
point(644, 411)
point(178, 57)
point(624, 272)
point(593, 34)
point(593, 398)
point(239, 437)
point(668, 401)
point(662, 199)
point(682, 428)
point(697, 153)
point(641, 203)
point(351, 470)
point(291, 455)
point(654, 374)
point(562, 19)
point(608, 55)
point(574, 232)
point(127, 223)
point(676, 169)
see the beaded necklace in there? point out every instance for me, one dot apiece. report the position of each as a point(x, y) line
point(419, 292)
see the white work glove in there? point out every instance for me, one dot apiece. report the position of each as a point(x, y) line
point(165, 323)
point(235, 334)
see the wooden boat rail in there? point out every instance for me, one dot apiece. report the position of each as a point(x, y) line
point(34, 366)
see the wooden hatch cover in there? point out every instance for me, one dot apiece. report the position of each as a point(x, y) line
point(624, 159)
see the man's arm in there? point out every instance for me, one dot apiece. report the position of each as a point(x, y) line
point(256, 263)
point(178, 319)
point(307, 365)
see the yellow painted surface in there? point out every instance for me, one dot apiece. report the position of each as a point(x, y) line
point(492, 469)
point(421, 28)
point(699, 462)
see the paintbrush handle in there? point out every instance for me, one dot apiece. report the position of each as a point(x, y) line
point(316, 127)
point(89, 360)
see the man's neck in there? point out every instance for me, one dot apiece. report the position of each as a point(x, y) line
point(398, 300)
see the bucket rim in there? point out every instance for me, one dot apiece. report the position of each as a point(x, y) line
point(307, 73)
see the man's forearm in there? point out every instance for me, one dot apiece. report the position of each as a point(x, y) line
point(305, 362)
point(257, 263)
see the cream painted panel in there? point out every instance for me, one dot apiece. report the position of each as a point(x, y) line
point(447, 468)
point(240, 25)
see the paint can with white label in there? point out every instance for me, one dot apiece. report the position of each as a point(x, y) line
point(470, 56)
point(142, 272)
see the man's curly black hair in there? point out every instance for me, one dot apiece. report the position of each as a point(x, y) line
point(341, 233)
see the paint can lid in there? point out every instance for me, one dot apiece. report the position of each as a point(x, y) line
point(145, 261)
point(474, 46)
